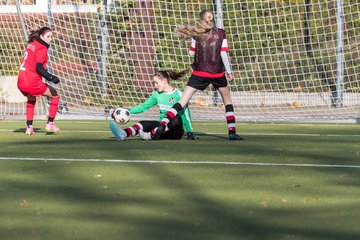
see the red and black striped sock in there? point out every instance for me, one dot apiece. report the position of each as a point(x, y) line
point(230, 118)
point(133, 130)
point(171, 113)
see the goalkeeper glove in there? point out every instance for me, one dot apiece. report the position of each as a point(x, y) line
point(191, 136)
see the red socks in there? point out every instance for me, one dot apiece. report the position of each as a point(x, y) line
point(54, 105)
point(30, 109)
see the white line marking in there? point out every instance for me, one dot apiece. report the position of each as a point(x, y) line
point(65, 131)
point(241, 133)
point(184, 162)
point(316, 124)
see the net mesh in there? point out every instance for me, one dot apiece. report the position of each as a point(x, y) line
point(293, 60)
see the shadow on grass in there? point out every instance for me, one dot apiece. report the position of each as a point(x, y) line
point(22, 130)
point(36, 130)
point(153, 201)
point(69, 200)
point(201, 134)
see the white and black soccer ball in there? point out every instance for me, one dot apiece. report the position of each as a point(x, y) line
point(121, 115)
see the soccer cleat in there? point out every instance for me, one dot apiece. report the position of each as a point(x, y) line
point(145, 135)
point(29, 131)
point(160, 130)
point(51, 128)
point(118, 132)
point(234, 136)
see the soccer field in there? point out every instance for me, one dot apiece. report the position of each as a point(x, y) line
point(285, 181)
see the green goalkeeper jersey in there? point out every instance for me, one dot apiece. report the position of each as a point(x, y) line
point(165, 101)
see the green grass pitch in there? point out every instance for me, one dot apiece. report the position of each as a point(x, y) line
point(285, 181)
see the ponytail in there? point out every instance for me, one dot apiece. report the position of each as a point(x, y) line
point(170, 74)
point(33, 35)
point(202, 27)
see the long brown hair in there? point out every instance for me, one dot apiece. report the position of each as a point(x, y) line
point(202, 27)
point(35, 33)
point(170, 74)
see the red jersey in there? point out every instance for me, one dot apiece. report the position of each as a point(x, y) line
point(207, 48)
point(29, 80)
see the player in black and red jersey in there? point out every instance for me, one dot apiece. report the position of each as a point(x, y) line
point(209, 46)
point(33, 67)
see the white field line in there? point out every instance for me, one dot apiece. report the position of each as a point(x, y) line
point(313, 165)
point(241, 133)
point(318, 124)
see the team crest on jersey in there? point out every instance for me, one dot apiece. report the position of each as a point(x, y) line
point(171, 101)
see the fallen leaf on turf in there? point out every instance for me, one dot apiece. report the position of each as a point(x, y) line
point(25, 203)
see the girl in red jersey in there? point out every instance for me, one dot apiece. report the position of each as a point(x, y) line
point(33, 67)
point(209, 47)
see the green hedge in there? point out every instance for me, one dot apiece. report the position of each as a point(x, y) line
point(266, 37)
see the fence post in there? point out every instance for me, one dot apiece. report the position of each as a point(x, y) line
point(21, 18)
point(339, 53)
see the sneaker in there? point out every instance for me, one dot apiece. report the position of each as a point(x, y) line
point(117, 131)
point(145, 135)
point(51, 128)
point(29, 131)
point(160, 130)
point(234, 136)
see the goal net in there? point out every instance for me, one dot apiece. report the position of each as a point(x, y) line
point(293, 60)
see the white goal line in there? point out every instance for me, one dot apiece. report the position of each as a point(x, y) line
point(312, 165)
point(242, 133)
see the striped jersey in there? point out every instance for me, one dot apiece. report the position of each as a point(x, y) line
point(207, 49)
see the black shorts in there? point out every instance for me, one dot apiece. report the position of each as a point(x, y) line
point(176, 130)
point(201, 83)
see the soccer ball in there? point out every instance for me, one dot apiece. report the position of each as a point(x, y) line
point(121, 115)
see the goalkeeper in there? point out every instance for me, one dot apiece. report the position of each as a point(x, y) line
point(165, 97)
point(33, 67)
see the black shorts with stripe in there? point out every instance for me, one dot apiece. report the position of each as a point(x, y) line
point(201, 83)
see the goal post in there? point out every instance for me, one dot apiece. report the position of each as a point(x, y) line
point(293, 60)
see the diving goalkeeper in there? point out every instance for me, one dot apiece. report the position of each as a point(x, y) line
point(165, 97)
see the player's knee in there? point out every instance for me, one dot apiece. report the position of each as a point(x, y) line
point(177, 106)
point(54, 93)
point(175, 122)
point(31, 98)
